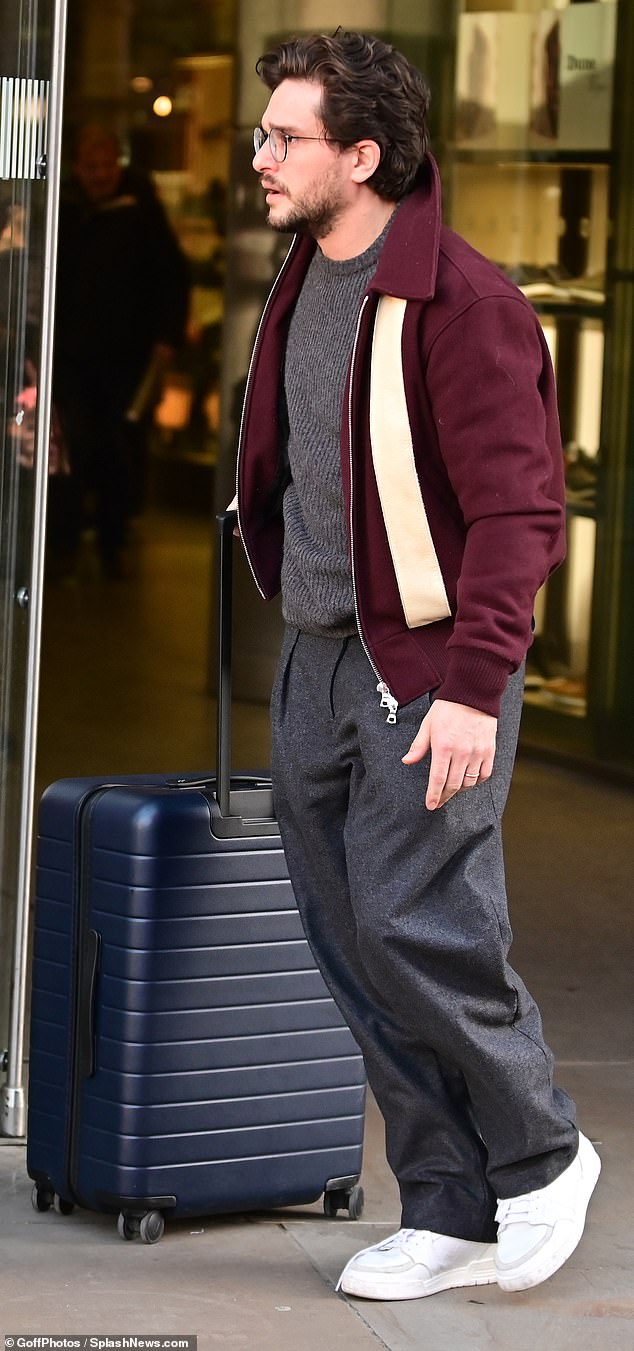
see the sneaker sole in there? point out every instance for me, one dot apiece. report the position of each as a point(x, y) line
point(539, 1267)
point(366, 1285)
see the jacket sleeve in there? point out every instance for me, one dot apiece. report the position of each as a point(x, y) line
point(492, 392)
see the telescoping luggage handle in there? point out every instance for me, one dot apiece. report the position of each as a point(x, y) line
point(247, 809)
point(226, 522)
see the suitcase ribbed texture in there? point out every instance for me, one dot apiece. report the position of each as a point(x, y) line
point(208, 1065)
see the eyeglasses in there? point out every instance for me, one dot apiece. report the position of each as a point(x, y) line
point(279, 141)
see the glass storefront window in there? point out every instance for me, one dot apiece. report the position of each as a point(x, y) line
point(530, 189)
point(532, 176)
point(159, 74)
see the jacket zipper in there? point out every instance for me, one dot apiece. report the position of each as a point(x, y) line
point(387, 698)
point(256, 344)
point(387, 701)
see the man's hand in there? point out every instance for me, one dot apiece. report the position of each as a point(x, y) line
point(462, 744)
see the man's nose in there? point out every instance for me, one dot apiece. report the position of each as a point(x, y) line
point(263, 158)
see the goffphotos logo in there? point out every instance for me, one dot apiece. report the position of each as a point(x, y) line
point(23, 1342)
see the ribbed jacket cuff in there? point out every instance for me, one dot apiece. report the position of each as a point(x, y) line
point(475, 678)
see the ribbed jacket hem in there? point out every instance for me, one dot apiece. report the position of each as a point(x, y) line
point(475, 678)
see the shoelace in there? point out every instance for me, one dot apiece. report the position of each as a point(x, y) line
point(413, 1240)
point(395, 1240)
point(535, 1209)
point(398, 1240)
point(517, 1209)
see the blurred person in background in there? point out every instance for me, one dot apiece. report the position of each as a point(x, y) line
point(122, 302)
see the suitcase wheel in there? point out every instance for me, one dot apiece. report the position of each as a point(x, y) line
point(152, 1227)
point(127, 1225)
point(61, 1206)
point(149, 1227)
point(344, 1199)
point(42, 1198)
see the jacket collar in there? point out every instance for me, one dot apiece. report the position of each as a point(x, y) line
point(409, 259)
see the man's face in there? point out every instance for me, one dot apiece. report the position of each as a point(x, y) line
point(98, 170)
point(310, 190)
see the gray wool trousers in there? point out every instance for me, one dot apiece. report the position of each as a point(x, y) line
point(405, 911)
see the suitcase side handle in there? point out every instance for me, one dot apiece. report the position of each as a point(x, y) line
point(226, 522)
point(86, 1047)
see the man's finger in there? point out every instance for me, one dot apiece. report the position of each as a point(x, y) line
point(420, 745)
point(443, 780)
point(486, 768)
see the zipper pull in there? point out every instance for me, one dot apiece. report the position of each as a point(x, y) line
point(388, 701)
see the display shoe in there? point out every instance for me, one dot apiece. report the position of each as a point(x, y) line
point(416, 1262)
point(537, 1232)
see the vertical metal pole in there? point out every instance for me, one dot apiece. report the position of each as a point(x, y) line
point(12, 1098)
point(224, 566)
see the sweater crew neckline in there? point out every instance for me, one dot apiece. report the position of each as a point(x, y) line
point(361, 262)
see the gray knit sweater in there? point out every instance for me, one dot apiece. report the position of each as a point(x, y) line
point(317, 594)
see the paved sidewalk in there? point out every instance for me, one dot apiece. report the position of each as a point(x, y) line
point(264, 1283)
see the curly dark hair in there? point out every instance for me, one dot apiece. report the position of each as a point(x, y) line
point(369, 90)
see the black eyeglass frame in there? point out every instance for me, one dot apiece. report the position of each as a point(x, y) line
point(260, 137)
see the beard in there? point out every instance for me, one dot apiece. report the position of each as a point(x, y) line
point(314, 212)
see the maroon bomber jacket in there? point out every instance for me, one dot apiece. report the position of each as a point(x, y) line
point(451, 459)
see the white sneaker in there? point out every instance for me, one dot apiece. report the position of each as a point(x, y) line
point(416, 1262)
point(537, 1232)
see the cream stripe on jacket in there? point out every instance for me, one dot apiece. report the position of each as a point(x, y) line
point(418, 575)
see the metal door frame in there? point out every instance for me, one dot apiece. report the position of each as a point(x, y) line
point(12, 1094)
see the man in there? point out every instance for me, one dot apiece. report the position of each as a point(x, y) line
point(413, 444)
point(122, 296)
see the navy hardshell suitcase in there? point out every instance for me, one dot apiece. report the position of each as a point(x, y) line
point(185, 1056)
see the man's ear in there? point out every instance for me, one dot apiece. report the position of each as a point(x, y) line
point(367, 157)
